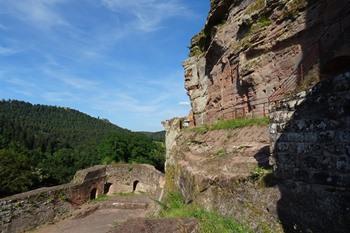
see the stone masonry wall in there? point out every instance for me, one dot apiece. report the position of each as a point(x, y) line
point(126, 178)
point(310, 134)
point(27, 210)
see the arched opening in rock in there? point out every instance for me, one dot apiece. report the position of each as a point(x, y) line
point(93, 194)
point(106, 188)
point(336, 65)
point(134, 186)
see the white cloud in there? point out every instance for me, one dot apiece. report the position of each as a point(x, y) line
point(57, 96)
point(7, 51)
point(148, 14)
point(65, 77)
point(78, 83)
point(143, 101)
point(21, 83)
point(121, 101)
point(2, 27)
point(186, 103)
point(40, 13)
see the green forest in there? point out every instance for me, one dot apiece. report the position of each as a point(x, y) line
point(45, 145)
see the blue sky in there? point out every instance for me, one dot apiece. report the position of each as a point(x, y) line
point(116, 59)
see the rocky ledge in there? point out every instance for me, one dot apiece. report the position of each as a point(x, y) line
point(226, 171)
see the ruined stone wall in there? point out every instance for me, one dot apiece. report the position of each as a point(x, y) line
point(28, 210)
point(251, 49)
point(310, 136)
point(126, 178)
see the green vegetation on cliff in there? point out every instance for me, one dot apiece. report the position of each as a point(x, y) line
point(232, 124)
point(44, 145)
point(209, 221)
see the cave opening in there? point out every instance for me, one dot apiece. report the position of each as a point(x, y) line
point(337, 65)
point(93, 194)
point(107, 188)
point(134, 186)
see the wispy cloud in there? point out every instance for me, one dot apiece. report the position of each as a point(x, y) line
point(57, 96)
point(8, 51)
point(2, 27)
point(73, 81)
point(79, 83)
point(98, 56)
point(154, 100)
point(148, 14)
point(20, 83)
point(40, 13)
point(186, 103)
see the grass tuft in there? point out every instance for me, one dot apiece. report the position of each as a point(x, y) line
point(221, 153)
point(264, 177)
point(209, 221)
point(259, 173)
point(239, 123)
point(231, 124)
point(255, 6)
point(263, 22)
point(100, 198)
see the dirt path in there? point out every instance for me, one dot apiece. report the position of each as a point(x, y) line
point(101, 217)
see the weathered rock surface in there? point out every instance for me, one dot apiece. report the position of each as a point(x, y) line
point(249, 49)
point(171, 225)
point(216, 171)
point(251, 59)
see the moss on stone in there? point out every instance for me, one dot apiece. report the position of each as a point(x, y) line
point(170, 185)
point(198, 42)
point(221, 152)
point(255, 6)
point(263, 22)
point(293, 8)
point(62, 196)
point(263, 177)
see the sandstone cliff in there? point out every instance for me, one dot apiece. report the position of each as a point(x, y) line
point(252, 52)
point(288, 60)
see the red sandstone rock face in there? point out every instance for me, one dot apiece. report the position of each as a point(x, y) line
point(253, 51)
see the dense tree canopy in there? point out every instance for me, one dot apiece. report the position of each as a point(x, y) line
point(44, 145)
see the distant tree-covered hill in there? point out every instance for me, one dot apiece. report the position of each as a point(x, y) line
point(45, 145)
point(156, 136)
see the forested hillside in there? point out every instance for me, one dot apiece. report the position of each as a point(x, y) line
point(44, 145)
point(156, 136)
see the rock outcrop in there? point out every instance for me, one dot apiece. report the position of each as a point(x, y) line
point(219, 170)
point(288, 60)
point(251, 52)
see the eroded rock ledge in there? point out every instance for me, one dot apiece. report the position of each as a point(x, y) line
point(217, 170)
